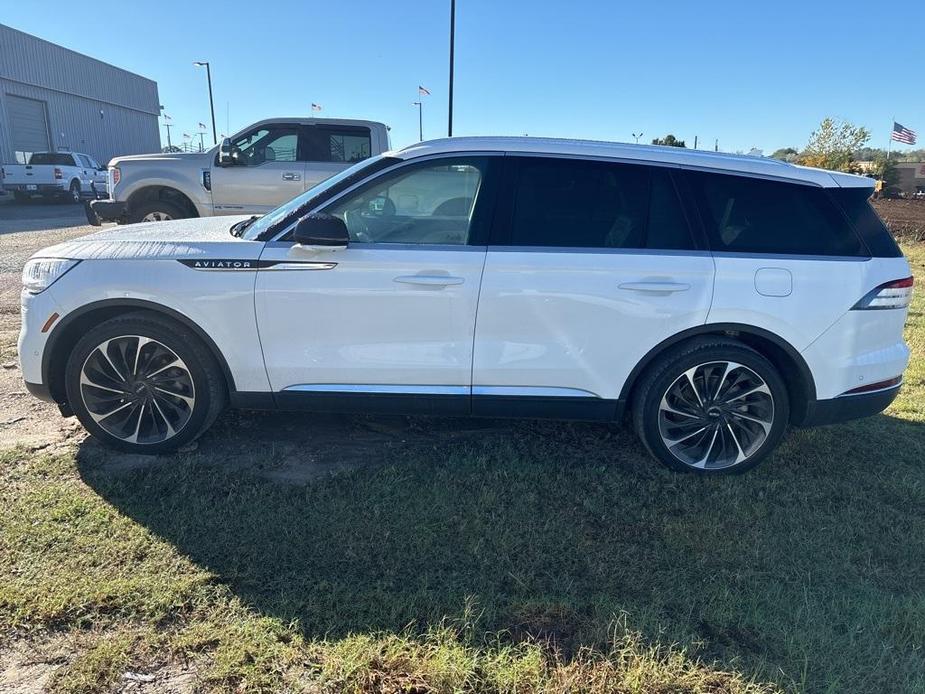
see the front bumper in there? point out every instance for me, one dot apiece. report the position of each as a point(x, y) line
point(99, 211)
point(847, 407)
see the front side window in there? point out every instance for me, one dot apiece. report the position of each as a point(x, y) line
point(426, 203)
point(750, 215)
point(591, 204)
point(268, 144)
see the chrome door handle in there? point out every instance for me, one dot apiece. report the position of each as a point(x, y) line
point(289, 176)
point(430, 280)
point(656, 287)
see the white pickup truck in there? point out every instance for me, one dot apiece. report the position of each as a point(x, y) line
point(67, 175)
point(252, 172)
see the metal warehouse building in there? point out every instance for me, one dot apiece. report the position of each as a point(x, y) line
point(52, 98)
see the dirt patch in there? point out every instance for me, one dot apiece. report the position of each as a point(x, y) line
point(906, 218)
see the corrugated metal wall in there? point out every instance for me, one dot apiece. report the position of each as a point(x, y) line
point(76, 89)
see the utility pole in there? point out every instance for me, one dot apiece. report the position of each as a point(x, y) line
point(168, 126)
point(200, 63)
point(637, 136)
point(449, 126)
point(716, 145)
point(695, 142)
point(420, 106)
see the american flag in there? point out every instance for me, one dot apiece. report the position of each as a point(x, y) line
point(902, 134)
point(316, 107)
point(423, 91)
point(202, 126)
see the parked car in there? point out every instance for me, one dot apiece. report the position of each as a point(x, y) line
point(714, 299)
point(252, 172)
point(62, 175)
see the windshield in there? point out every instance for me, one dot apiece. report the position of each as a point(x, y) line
point(273, 222)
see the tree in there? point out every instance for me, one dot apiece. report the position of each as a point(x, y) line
point(786, 154)
point(886, 170)
point(833, 144)
point(669, 140)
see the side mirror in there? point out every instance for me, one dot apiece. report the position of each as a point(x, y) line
point(322, 232)
point(227, 153)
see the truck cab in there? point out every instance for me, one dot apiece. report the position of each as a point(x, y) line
point(251, 172)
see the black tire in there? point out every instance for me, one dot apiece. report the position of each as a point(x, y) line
point(727, 400)
point(156, 208)
point(195, 376)
point(73, 193)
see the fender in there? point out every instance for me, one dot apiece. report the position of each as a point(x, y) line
point(719, 328)
point(127, 303)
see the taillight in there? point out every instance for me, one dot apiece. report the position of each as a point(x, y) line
point(895, 294)
point(116, 175)
point(58, 173)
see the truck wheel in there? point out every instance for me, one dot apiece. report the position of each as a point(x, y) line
point(74, 192)
point(156, 211)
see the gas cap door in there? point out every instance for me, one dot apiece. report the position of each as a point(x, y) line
point(773, 281)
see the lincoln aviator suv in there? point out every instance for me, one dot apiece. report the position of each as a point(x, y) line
point(711, 299)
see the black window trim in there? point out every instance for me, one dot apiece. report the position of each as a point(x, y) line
point(500, 234)
point(484, 204)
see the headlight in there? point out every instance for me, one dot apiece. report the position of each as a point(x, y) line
point(40, 273)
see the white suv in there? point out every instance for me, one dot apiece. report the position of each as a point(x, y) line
point(716, 299)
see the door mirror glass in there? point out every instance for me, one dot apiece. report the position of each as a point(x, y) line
point(321, 232)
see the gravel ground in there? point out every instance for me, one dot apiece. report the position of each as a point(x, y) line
point(24, 229)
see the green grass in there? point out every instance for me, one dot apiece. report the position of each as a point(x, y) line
point(538, 557)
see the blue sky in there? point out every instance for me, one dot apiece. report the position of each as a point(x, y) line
point(752, 74)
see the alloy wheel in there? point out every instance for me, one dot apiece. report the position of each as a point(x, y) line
point(137, 389)
point(156, 217)
point(716, 415)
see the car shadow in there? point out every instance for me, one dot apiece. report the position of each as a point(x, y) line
point(340, 524)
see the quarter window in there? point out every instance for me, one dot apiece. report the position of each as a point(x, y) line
point(428, 203)
point(749, 215)
point(588, 204)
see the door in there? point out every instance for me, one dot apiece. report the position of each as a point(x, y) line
point(28, 126)
point(591, 264)
point(268, 172)
point(328, 149)
point(391, 318)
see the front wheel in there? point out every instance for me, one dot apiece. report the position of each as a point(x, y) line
point(711, 406)
point(144, 384)
point(156, 211)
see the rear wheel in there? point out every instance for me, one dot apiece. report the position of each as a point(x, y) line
point(74, 192)
point(157, 211)
point(711, 406)
point(144, 384)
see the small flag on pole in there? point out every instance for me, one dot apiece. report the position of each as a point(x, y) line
point(316, 107)
point(423, 91)
point(902, 134)
point(202, 126)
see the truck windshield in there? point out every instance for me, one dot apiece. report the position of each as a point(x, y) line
point(56, 158)
point(272, 223)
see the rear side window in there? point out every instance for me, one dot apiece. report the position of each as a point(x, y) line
point(750, 215)
point(337, 144)
point(855, 203)
point(589, 204)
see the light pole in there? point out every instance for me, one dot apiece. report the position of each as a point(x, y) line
point(200, 63)
point(449, 126)
point(420, 106)
point(636, 137)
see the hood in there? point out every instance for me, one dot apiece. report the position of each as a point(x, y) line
point(163, 156)
point(180, 238)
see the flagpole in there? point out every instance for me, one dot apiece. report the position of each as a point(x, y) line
point(889, 149)
point(449, 125)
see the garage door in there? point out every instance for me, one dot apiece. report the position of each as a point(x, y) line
point(28, 124)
